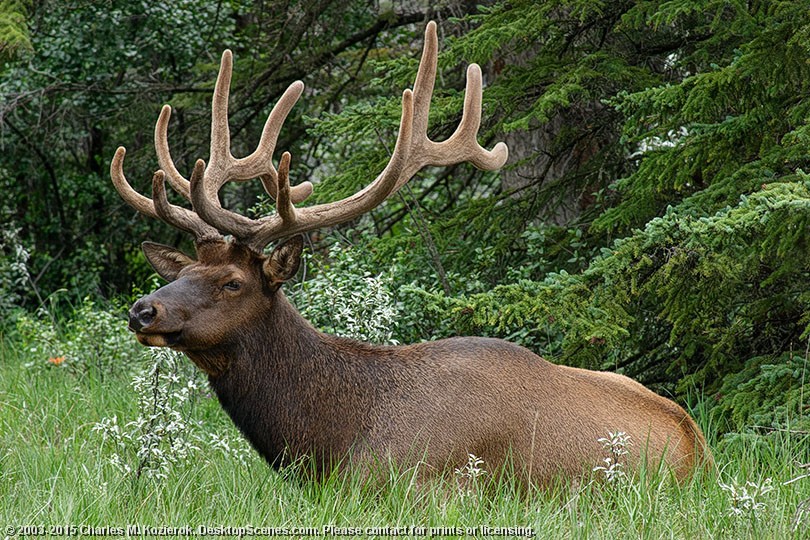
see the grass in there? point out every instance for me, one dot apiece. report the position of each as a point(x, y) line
point(56, 474)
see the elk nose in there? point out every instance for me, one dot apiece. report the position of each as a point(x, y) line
point(141, 315)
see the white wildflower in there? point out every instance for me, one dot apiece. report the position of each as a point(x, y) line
point(746, 499)
point(616, 445)
point(469, 474)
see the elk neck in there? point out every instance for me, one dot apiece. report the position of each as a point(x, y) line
point(292, 389)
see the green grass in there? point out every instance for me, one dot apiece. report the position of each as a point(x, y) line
point(55, 471)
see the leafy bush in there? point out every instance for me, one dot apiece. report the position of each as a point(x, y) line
point(14, 276)
point(345, 299)
point(90, 342)
point(159, 436)
point(164, 433)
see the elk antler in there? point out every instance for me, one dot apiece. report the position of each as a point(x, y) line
point(258, 164)
point(413, 151)
point(160, 207)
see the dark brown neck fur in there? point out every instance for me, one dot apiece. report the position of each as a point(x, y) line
point(288, 389)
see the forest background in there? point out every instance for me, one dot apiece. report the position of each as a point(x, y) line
point(652, 218)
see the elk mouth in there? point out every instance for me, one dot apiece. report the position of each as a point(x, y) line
point(158, 339)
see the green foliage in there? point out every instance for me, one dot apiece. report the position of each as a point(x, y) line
point(89, 342)
point(345, 299)
point(66, 105)
point(14, 276)
point(768, 393)
point(734, 120)
point(15, 38)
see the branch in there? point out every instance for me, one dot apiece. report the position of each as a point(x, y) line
point(275, 75)
point(54, 181)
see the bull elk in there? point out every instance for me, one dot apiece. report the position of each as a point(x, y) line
point(295, 392)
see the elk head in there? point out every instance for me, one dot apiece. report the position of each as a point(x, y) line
point(232, 283)
point(227, 278)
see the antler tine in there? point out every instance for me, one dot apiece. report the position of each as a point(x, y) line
point(425, 81)
point(179, 217)
point(220, 132)
point(284, 205)
point(463, 145)
point(223, 167)
point(142, 204)
point(259, 162)
point(298, 193)
point(159, 207)
point(261, 159)
point(178, 182)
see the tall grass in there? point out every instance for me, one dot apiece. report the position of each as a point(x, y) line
point(57, 470)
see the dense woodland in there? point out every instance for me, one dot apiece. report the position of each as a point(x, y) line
point(653, 218)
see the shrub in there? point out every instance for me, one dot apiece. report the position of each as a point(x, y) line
point(164, 433)
point(346, 299)
point(14, 276)
point(91, 342)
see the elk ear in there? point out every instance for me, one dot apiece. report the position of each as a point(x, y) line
point(282, 264)
point(166, 260)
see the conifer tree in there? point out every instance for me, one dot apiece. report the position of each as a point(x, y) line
point(687, 264)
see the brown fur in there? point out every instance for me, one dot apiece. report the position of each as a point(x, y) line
point(296, 392)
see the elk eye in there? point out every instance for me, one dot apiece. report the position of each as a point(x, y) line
point(232, 285)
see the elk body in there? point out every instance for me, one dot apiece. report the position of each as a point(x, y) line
point(295, 392)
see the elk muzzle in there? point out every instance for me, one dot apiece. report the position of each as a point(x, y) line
point(147, 318)
point(142, 314)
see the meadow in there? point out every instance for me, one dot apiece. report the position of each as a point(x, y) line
point(109, 439)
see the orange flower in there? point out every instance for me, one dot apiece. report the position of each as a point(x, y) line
point(56, 360)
